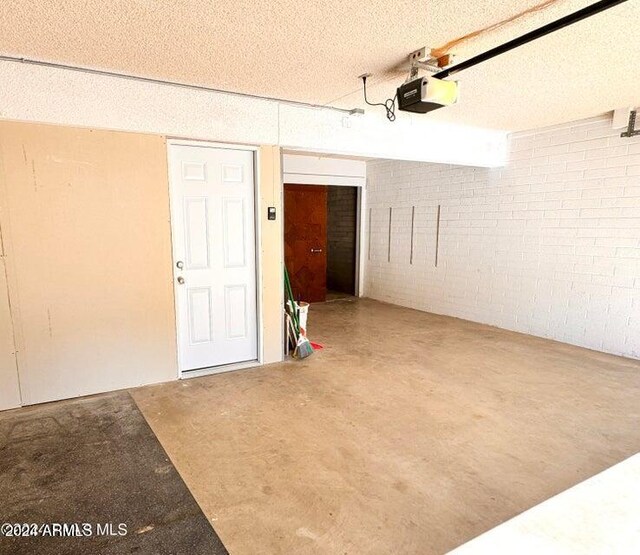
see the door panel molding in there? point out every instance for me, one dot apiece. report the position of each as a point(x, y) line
point(198, 237)
point(236, 257)
point(200, 324)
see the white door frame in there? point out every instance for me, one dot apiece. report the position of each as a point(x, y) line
point(361, 221)
point(184, 374)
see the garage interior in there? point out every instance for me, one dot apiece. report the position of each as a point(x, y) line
point(463, 219)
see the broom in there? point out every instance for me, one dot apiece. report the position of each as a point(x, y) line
point(303, 348)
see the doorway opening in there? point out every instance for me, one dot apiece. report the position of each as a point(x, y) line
point(321, 241)
point(342, 231)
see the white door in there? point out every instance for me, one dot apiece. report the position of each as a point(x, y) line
point(213, 224)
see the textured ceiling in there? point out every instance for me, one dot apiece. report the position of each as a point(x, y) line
point(314, 51)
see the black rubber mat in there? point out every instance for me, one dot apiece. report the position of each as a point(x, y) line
point(75, 475)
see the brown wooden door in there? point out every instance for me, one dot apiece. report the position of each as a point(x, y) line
point(305, 240)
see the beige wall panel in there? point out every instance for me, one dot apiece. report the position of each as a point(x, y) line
point(91, 248)
point(9, 381)
point(9, 388)
point(272, 254)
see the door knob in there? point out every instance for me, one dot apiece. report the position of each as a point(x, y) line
point(180, 280)
point(180, 264)
point(316, 250)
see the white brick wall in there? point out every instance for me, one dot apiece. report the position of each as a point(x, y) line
point(548, 245)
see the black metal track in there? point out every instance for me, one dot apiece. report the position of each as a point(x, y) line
point(565, 21)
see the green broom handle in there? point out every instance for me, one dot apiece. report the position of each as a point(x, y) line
point(287, 284)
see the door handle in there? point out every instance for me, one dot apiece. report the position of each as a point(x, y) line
point(180, 280)
point(316, 250)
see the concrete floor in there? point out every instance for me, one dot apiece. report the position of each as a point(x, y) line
point(338, 296)
point(408, 433)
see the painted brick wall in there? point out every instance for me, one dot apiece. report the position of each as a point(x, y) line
point(548, 245)
point(341, 238)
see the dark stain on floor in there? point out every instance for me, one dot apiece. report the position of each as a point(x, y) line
point(94, 462)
